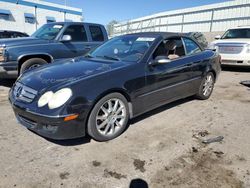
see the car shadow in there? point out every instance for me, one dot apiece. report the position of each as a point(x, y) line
point(159, 110)
point(87, 139)
point(235, 69)
point(71, 142)
point(7, 82)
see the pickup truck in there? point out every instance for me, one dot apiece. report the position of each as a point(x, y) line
point(53, 41)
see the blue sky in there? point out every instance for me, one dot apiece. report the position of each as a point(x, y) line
point(104, 11)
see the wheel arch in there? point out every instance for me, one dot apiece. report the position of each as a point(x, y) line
point(213, 72)
point(114, 90)
point(45, 56)
point(211, 69)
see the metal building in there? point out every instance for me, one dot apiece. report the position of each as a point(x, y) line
point(210, 18)
point(28, 15)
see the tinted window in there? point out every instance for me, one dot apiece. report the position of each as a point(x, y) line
point(77, 33)
point(191, 47)
point(237, 33)
point(4, 35)
point(96, 33)
point(17, 35)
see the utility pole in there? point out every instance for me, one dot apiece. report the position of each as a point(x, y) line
point(65, 7)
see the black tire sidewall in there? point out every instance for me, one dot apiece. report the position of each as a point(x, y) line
point(25, 66)
point(200, 95)
point(91, 126)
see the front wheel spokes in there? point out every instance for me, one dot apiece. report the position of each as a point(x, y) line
point(111, 117)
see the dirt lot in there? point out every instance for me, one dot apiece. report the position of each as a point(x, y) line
point(160, 149)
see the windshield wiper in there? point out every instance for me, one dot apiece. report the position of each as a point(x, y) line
point(109, 57)
point(88, 56)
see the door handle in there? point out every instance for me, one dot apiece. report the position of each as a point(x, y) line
point(189, 64)
point(88, 47)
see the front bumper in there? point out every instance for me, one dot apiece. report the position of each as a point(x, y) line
point(8, 70)
point(235, 59)
point(50, 127)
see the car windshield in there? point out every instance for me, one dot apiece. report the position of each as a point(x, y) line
point(124, 48)
point(48, 31)
point(237, 33)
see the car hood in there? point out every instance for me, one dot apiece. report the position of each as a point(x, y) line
point(67, 71)
point(22, 41)
point(236, 41)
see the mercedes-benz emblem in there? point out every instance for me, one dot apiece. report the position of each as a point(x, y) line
point(19, 91)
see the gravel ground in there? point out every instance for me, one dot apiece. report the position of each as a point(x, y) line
point(162, 148)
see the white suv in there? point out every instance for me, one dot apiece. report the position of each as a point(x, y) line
point(234, 46)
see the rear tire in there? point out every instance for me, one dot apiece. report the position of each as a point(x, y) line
point(206, 87)
point(109, 117)
point(31, 64)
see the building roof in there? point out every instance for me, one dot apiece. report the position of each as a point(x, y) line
point(46, 5)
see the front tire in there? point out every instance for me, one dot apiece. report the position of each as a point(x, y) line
point(206, 87)
point(31, 64)
point(109, 117)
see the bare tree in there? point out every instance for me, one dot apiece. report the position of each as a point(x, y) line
point(110, 27)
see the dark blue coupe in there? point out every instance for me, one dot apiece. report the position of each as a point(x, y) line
point(123, 78)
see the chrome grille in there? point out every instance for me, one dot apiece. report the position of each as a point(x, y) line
point(231, 48)
point(24, 93)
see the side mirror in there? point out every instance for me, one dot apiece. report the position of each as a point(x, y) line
point(66, 38)
point(217, 37)
point(159, 60)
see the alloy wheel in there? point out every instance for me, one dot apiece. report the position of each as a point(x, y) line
point(111, 117)
point(208, 85)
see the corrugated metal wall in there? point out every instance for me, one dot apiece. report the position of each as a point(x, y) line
point(209, 18)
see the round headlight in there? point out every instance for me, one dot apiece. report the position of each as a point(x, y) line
point(60, 98)
point(45, 98)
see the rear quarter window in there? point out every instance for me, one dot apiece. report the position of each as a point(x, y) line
point(96, 33)
point(191, 47)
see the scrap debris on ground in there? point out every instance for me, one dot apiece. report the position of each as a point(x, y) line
point(245, 83)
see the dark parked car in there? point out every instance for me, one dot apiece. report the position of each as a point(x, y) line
point(51, 42)
point(4, 34)
point(123, 78)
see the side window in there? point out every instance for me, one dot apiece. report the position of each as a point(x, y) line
point(4, 35)
point(77, 33)
point(191, 47)
point(18, 35)
point(171, 48)
point(30, 20)
point(96, 33)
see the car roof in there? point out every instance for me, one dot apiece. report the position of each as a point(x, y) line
point(159, 34)
point(69, 23)
point(242, 27)
point(2, 31)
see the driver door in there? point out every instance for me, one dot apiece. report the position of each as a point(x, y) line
point(77, 46)
point(167, 82)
